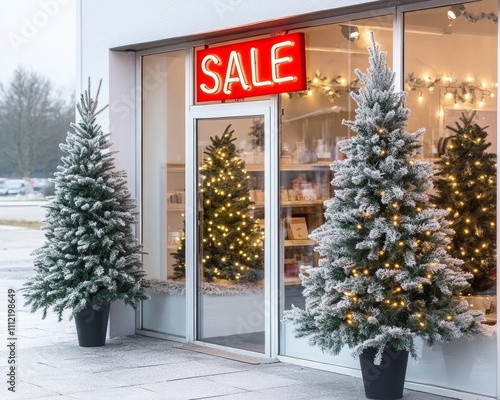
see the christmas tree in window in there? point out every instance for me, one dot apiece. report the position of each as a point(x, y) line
point(232, 244)
point(466, 187)
point(179, 256)
point(257, 133)
point(384, 275)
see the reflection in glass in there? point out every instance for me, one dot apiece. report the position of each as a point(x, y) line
point(163, 189)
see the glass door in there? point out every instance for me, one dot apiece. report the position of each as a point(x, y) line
point(230, 221)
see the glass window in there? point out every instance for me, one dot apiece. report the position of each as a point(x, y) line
point(454, 72)
point(163, 190)
point(450, 70)
point(231, 222)
point(310, 132)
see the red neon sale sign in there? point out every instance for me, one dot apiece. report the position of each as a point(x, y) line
point(253, 68)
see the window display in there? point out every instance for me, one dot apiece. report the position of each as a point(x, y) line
point(385, 277)
point(163, 190)
point(453, 96)
point(442, 83)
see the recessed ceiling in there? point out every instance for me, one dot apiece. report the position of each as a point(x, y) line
point(435, 20)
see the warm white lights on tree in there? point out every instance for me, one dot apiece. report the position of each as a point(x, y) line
point(232, 247)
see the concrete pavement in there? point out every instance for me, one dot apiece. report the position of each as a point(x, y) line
point(16, 245)
point(50, 365)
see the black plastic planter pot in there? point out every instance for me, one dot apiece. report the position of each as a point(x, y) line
point(387, 380)
point(91, 326)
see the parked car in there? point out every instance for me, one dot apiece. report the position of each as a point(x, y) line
point(15, 186)
point(3, 187)
point(38, 184)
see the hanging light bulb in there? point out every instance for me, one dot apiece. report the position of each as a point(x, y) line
point(350, 32)
point(455, 11)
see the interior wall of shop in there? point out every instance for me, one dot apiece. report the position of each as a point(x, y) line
point(443, 59)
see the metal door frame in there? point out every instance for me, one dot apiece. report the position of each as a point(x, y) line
point(267, 109)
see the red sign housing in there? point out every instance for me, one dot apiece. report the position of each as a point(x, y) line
point(253, 68)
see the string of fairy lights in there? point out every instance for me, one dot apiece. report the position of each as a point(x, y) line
point(459, 92)
point(455, 91)
point(459, 212)
point(395, 294)
point(331, 87)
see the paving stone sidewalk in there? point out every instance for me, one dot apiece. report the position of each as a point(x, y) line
point(51, 366)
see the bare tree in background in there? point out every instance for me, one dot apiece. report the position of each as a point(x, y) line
point(34, 119)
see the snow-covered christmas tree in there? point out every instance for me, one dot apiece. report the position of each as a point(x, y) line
point(384, 275)
point(90, 255)
point(466, 187)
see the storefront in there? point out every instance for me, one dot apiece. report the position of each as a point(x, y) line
point(223, 271)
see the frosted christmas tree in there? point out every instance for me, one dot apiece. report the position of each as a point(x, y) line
point(232, 242)
point(90, 255)
point(384, 275)
point(466, 187)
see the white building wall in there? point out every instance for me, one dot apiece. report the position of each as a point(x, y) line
point(115, 23)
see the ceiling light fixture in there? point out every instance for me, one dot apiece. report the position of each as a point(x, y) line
point(350, 32)
point(455, 11)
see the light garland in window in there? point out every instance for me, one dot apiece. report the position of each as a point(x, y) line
point(478, 17)
point(333, 88)
point(460, 92)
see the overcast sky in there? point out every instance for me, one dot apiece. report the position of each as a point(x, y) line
point(39, 34)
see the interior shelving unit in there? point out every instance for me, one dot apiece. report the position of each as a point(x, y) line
point(175, 206)
point(313, 178)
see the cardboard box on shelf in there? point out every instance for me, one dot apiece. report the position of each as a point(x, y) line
point(297, 228)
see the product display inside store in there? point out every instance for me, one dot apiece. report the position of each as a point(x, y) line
point(453, 96)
